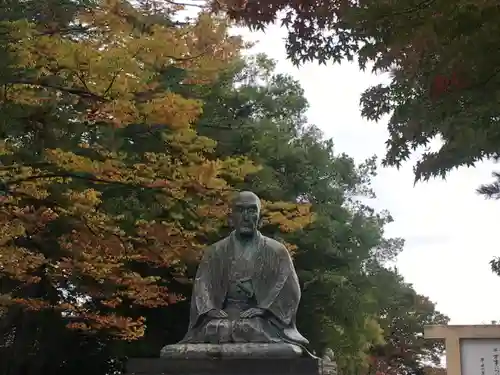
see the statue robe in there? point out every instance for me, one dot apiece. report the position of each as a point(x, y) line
point(266, 272)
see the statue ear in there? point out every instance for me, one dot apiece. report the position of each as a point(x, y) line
point(230, 221)
point(262, 222)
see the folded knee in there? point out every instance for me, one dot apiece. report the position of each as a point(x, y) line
point(217, 324)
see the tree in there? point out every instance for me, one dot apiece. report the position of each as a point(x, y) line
point(69, 98)
point(108, 192)
point(441, 98)
point(124, 134)
point(254, 111)
point(435, 371)
point(442, 86)
point(403, 313)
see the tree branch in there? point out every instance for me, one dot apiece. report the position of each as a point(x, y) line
point(82, 80)
point(308, 283)
point(112, 82)
point(65, 30)
point(188, 58)
point(186, 4)
point(419, 6)
point(5, 186)
point(81, 176)
point(75, 91)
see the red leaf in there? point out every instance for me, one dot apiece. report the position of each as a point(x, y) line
point(158, 184)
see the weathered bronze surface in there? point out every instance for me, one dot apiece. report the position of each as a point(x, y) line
point(246, 291)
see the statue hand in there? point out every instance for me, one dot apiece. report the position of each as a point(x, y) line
point(217, 314)
point(252, 312)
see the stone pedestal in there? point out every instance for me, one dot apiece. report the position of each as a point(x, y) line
point(232, 359)
point(232, 351)
point(227, 366)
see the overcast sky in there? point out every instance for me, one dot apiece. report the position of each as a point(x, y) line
point(450, 231)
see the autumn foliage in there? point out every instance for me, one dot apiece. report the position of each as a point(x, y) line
point(125, 127)
point(442, 85)
point(102, 173)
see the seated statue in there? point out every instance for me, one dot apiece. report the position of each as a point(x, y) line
point(246, 289)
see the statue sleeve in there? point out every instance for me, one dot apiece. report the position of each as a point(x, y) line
point(280, 289)
point(207, 287)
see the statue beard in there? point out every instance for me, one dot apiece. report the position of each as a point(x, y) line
point(247, 230)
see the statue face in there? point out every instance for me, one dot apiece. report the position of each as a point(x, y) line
point(246, 214)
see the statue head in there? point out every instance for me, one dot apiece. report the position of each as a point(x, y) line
point(245, 215)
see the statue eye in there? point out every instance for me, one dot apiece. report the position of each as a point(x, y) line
point(241, 209)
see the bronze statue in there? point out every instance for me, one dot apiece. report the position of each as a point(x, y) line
point(246, 289)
